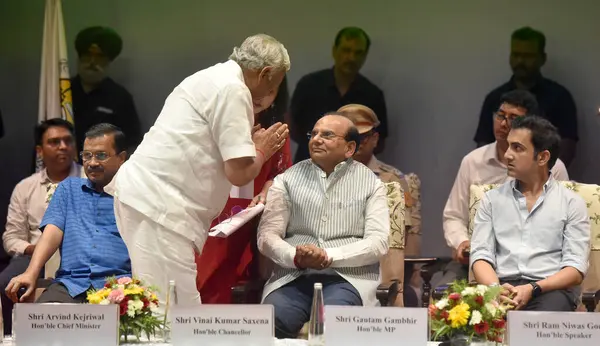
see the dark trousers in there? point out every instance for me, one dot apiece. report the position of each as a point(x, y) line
point(559, 300)
point(292, 302)
point(16, 266)
point(58, 293)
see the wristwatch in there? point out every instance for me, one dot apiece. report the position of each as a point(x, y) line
point(537, 290)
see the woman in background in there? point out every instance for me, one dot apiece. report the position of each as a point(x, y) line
point(227, 261)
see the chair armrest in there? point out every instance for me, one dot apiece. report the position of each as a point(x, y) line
point(590, 299)
point(387, 292)
point(249, 292)
point(44, 283)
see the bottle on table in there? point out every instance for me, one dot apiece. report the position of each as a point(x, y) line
point(170, 303)
point(316, 326)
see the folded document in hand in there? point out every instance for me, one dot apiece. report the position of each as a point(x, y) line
point(229, 226)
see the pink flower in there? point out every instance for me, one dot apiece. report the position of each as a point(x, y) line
point(116, 296)
point(124, 280)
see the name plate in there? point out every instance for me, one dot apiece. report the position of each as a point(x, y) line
point(222, 325)
point(346, 325)
point(553, 328)
point(66, 324)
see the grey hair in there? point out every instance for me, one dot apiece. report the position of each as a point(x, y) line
point(260, 51)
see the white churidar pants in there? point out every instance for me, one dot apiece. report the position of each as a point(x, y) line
point(158, 255)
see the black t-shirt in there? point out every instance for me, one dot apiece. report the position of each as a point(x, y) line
point(108, 103)
point(555, 102)
point(317, 94)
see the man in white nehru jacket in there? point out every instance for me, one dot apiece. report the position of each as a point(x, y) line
point(202, 143)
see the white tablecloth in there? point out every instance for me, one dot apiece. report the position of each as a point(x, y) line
point(285, 342)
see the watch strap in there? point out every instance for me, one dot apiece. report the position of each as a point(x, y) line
point(537, 290)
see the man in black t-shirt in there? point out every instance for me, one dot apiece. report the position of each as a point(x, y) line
point(327, 90)
point(527, 56)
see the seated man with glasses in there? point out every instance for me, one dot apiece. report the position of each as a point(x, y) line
point(327, 221)
point(484, 165)
point(80, 221)
point(55, 145)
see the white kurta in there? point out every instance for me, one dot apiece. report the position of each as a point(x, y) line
point(176, 177)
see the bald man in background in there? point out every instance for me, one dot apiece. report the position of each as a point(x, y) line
point(96, 97)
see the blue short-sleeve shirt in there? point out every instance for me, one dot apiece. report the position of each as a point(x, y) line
point(92, 248)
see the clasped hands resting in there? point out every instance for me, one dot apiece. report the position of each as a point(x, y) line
point(516, 296)
point(311, 257)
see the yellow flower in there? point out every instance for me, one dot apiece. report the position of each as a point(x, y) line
point(94, 298)
point(459, 315)
point(105, 292)
point(135, 289)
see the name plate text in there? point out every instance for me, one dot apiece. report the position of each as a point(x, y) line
point(553, 328)
point(345, 325)
point(222, 325)
point(66, 324)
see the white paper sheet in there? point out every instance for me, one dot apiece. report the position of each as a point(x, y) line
point(229, 226)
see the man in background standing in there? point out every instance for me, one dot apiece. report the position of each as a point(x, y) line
point(327, 90)
point(96, 97)
point(527, 56)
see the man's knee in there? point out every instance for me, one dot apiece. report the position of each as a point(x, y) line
point(343, 295)
point(290, 314)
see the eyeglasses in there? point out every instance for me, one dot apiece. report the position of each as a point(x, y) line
point(508, 117)
point(55, 142)
point(326, 135)
point(100, 156)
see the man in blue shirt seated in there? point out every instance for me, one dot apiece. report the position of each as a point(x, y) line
point(532, 234)
point(81, 221)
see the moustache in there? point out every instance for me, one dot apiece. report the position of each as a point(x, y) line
point(95, 68)
point(95, 170)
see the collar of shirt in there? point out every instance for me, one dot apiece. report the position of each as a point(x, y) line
point(491, 155)
point(234, 66)
point(540, 81)
point(357, 84)
point(75, 172)
point(516, 188)
point(337, 170)
point(373, 165)
point(87, 185)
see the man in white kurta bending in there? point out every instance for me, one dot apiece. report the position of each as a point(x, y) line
point(179, 178)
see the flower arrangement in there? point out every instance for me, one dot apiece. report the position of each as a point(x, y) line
point(137, 306)
point(471, 311)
